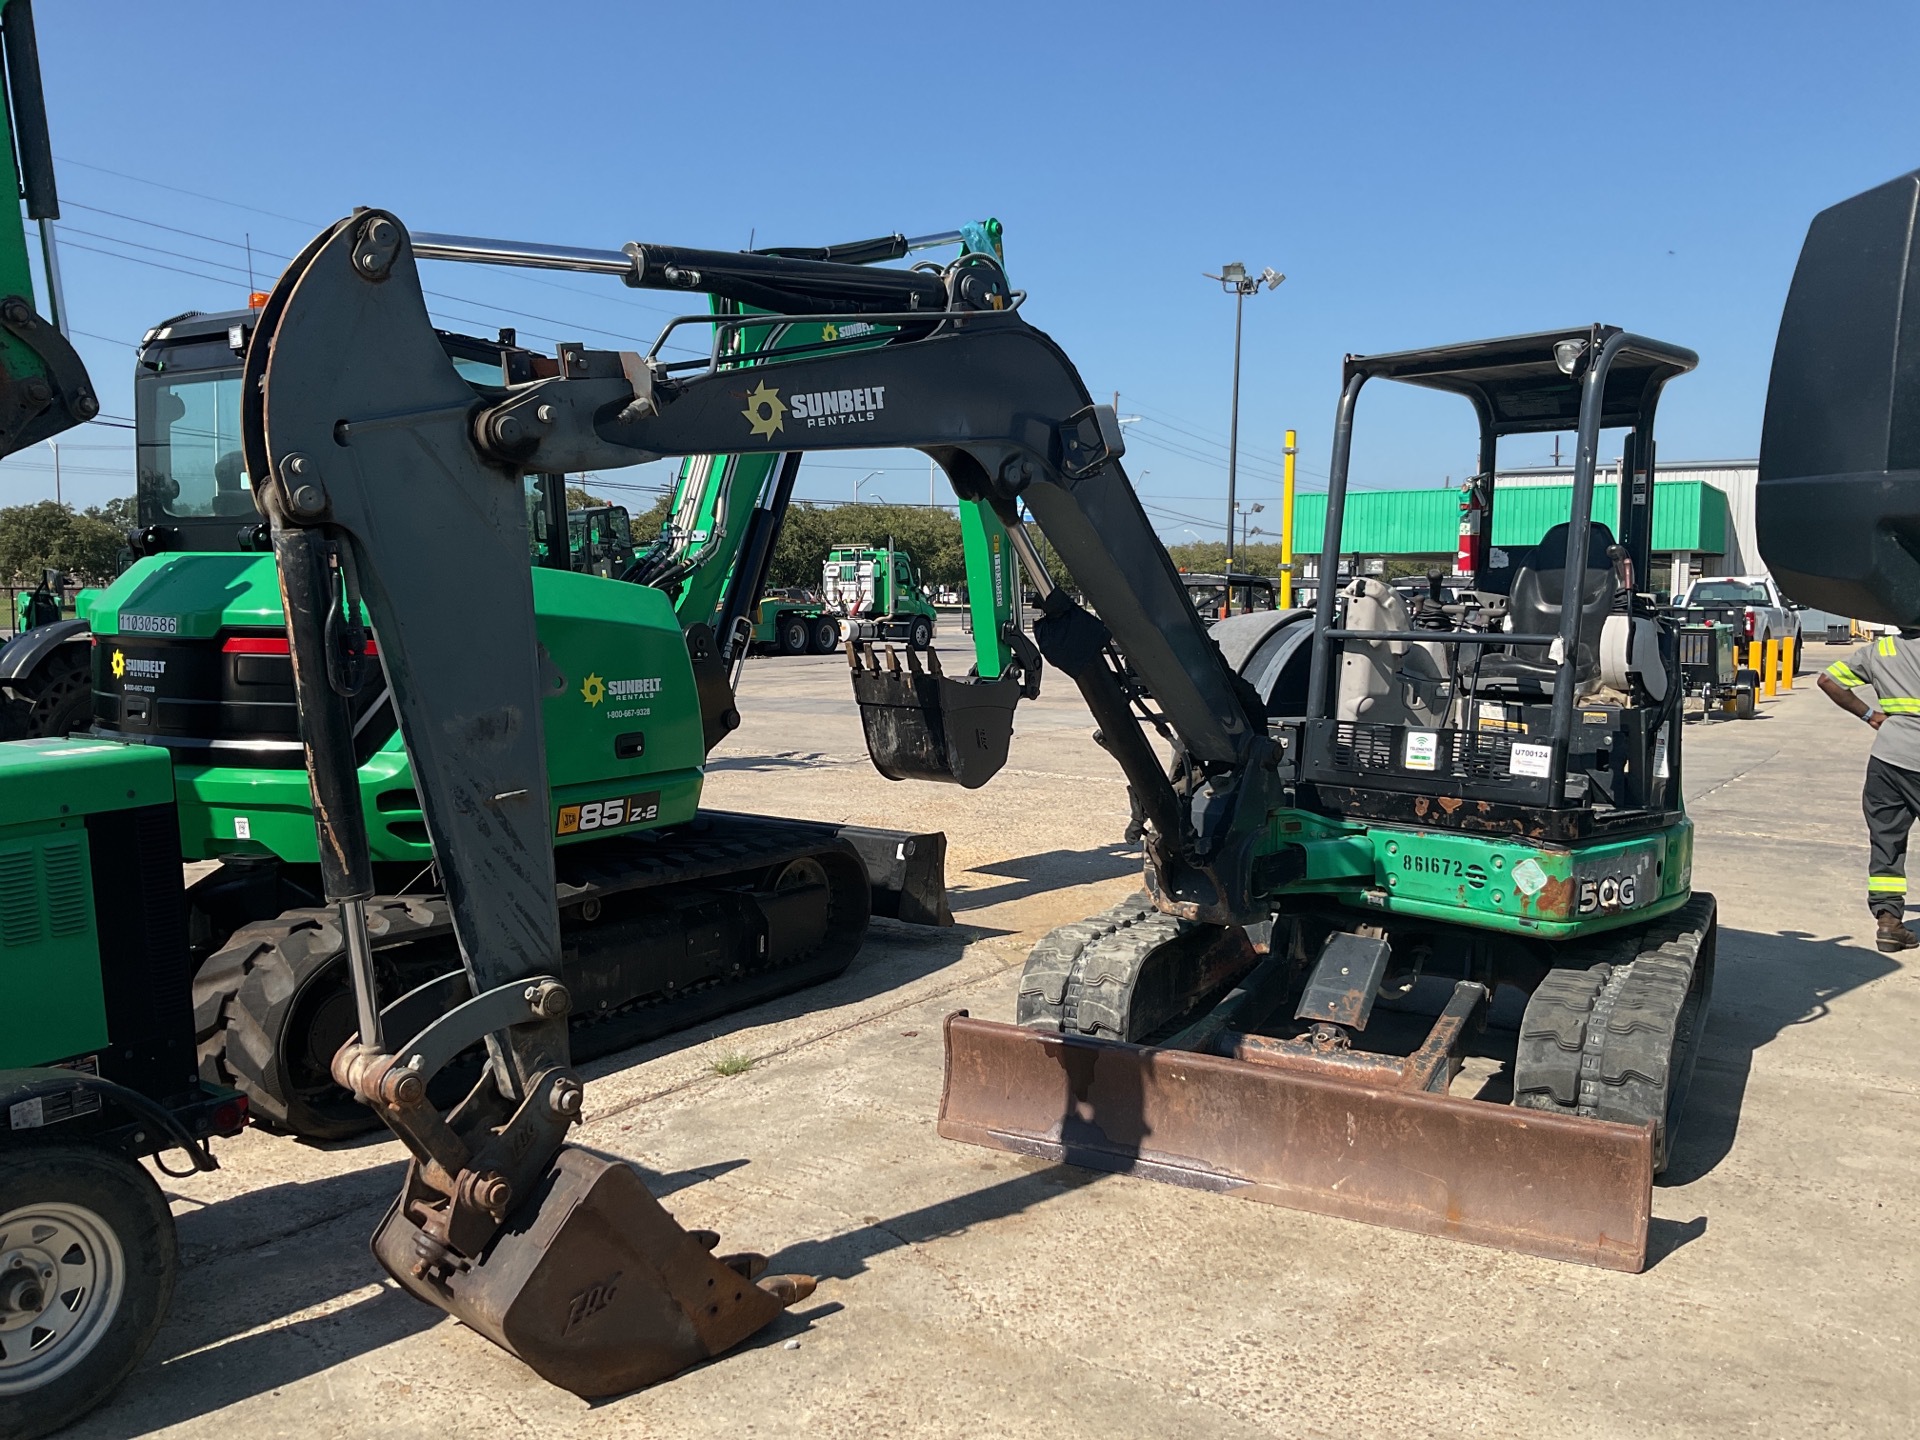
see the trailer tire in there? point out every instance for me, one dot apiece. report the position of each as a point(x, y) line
point(791, 634)
point(57, 699)
point(97, 1221)
point(921, 634)
point(1744, 703)
point(824, 638)
point(1618, 1040)
point(273, 1004)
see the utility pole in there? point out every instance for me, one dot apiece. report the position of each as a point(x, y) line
point(1235, 281)
point(1286, 525)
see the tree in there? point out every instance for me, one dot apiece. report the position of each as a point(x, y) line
point(120, 514)
point(581, 498)
point(930, 536)
point(49, 535)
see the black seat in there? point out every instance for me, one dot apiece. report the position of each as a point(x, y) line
point(1539, 582)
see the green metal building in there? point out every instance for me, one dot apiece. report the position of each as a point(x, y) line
point(1693, 530)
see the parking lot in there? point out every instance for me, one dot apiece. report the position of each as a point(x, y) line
point(965, 1292)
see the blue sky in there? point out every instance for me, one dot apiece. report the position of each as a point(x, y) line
point(1422, 173)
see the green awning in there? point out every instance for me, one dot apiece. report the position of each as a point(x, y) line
point(1687, 515)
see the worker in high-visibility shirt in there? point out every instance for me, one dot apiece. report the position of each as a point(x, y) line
point(1890, 667)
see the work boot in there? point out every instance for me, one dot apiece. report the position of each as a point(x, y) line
point(1893, 935)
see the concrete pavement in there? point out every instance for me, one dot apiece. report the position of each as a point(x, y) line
point(969, 1293)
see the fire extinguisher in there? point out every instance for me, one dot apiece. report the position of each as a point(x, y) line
point(1475, 503)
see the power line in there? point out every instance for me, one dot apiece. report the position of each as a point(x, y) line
point(182, 190)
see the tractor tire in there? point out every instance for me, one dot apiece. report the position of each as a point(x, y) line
point(1616, 1038)
point(825, 635)
point(57, 699)
point(93, 1235)
point(274, 1004)
point(921, 635)
point(791, 634)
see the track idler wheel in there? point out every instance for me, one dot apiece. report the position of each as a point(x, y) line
point(593, 1284)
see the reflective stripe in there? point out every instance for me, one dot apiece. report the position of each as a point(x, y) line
point(1900, 705)
point(1886, 646)
point(1886, 884)
point(1842, 672)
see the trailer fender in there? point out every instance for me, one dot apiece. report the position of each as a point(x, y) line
point(25, 653)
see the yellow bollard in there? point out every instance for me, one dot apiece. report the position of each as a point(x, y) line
point(1786, 663)
point(1753, 661)
point(1772, 672)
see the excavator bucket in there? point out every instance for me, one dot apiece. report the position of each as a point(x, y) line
point(593, 1284)
point(923, 725)
point(1342, 1134)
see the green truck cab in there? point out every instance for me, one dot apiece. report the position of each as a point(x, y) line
point(876, 594)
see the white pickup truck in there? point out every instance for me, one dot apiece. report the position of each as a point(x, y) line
point(1752, 604)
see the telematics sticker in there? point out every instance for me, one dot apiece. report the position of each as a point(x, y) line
point(1423, 750)
point(1529, 878)
point(1534, 760)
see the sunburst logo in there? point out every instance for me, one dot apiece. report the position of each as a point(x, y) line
point(829, 331)
point(593, 689)
point(766, 412)
point(119, 665)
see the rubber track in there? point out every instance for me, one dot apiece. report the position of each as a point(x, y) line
point(1051, 965)
point(243, 992)
point(1611, 1033)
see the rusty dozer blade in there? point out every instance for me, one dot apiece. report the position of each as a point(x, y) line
point(924, 725)
point(1361, 1142)
point(593, 1284)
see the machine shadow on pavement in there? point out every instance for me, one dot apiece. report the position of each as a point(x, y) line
point(1765, 984)
point(1047, 871)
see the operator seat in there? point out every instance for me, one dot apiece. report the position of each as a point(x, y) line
point(1533, 608)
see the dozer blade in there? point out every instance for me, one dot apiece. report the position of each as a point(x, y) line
point(922, 725)
point(1358, 1148)
point(593, 1284)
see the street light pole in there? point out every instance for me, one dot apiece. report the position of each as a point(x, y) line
point(863, 480)
point(54, 445)
point(1235, 281)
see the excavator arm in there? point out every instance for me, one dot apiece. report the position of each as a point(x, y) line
point(366, 439)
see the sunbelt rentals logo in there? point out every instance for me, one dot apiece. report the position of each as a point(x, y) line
point(766, 412)
point(147, 669)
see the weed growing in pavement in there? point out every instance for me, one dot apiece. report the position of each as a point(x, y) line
point(733, 1063)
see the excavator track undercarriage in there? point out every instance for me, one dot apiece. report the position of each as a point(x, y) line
point(668, 929)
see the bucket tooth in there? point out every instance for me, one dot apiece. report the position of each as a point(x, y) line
point(913, 661)
point(893, 661)
point(789, 1290)
point(933, 662)
point(705, 1239)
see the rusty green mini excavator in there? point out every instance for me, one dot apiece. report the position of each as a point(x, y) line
point(1492, 800)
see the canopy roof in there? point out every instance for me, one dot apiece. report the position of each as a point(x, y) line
point(1518, 386)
